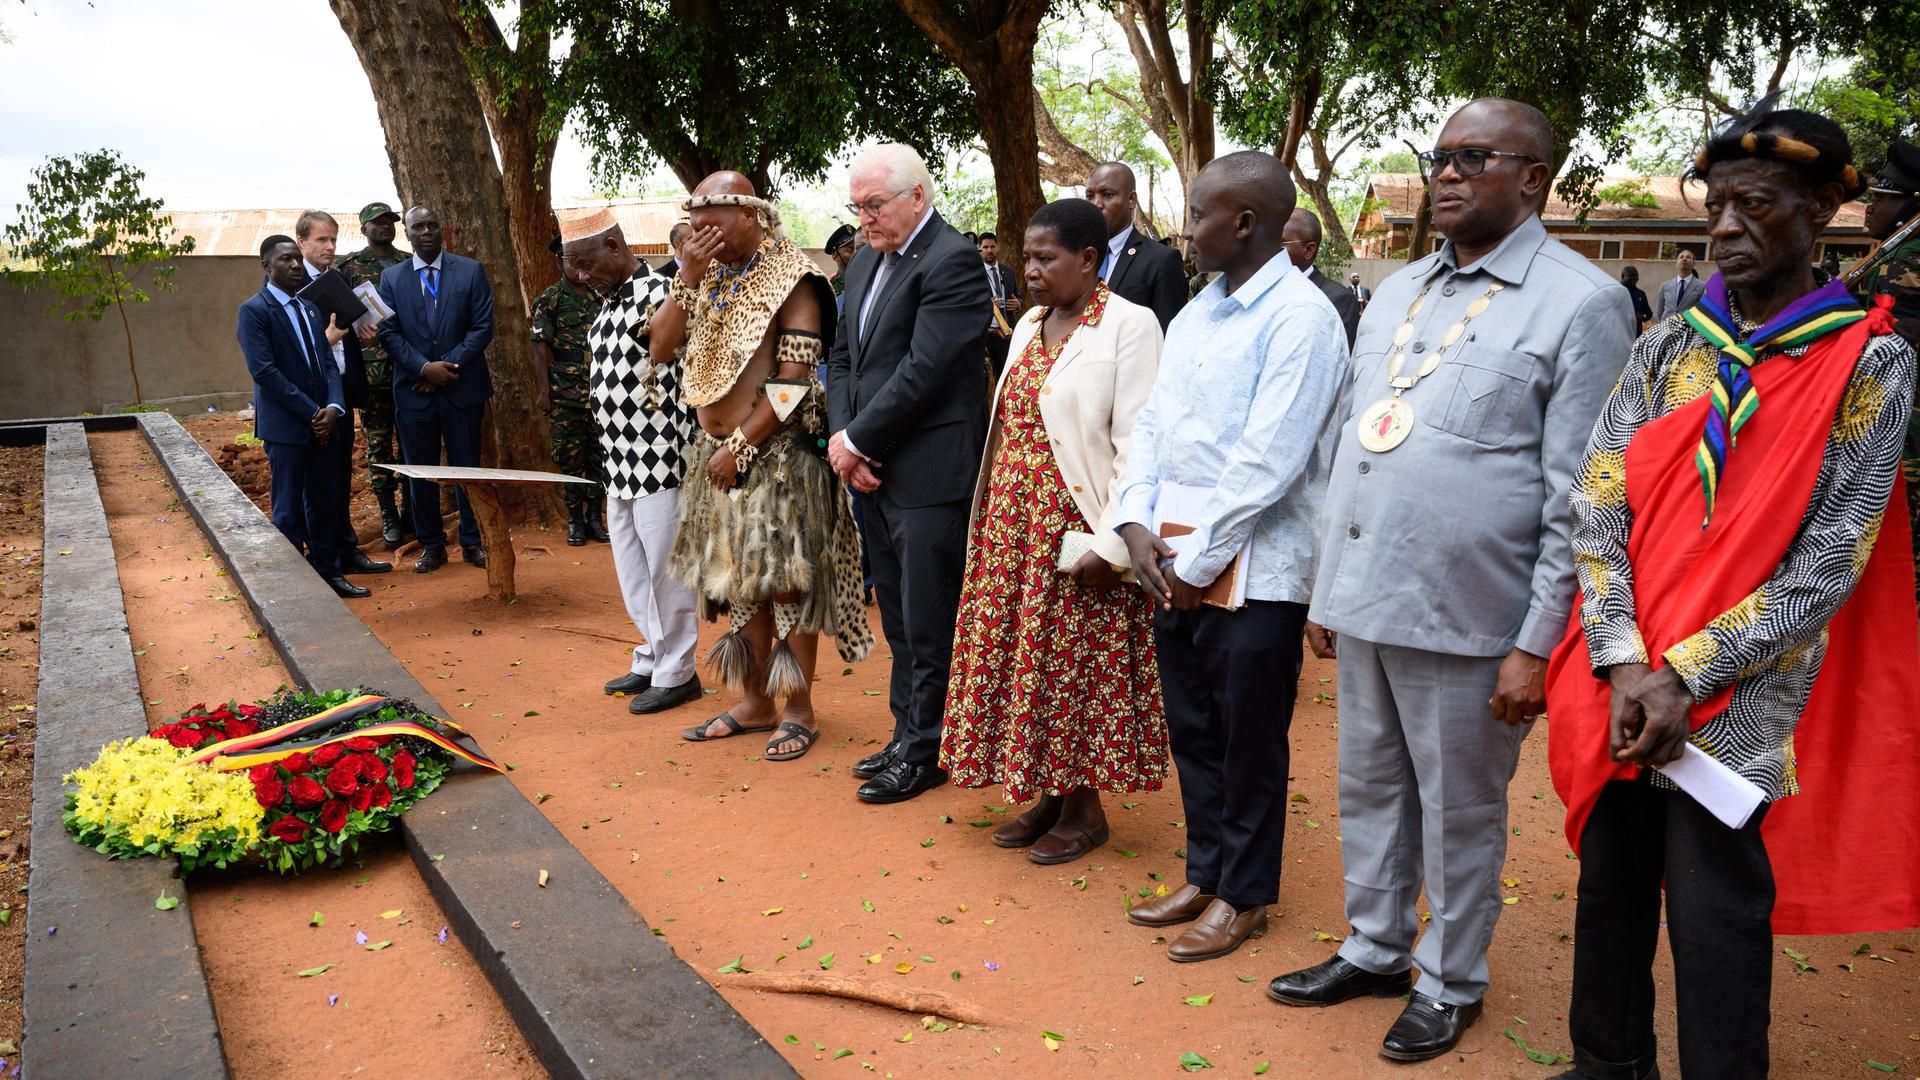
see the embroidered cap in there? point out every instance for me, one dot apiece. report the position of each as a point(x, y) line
point(583, 222)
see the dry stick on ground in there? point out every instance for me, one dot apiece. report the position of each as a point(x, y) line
point(584, 632)
point(917, 1002)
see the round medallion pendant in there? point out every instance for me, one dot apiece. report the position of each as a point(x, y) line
point(1385, 424)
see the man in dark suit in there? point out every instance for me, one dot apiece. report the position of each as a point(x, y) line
point(1642, 311)
point(1004, 284)
point(442, 322)
point(675, 237)
point(1360, 292)
point(1136, 266)
point(1302, 239)
point(297, 408)
point(316, 234)
point(907, 403)
point(1681, 291)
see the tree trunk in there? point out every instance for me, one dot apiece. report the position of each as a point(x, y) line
point(1069, 162)
point(442, 157)
point(1178, 113)
point(992, 42)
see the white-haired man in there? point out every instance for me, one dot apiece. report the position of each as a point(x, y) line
point(907, 405)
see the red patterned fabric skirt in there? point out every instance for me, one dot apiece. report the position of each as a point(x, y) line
point(1053, 684)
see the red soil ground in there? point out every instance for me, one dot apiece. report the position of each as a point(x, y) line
point(777, 865)
point(418, 1008)
point(21, 474)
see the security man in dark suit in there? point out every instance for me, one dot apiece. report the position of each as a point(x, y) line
point(438, 336)
point(298, 409)
point(1302, 240)
point(1136, 265)
point(907, 402)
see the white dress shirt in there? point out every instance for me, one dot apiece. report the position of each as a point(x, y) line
point(1114, 244)
point(302, 335)
point(873, 293)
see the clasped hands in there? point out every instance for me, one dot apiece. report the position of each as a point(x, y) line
point(850, 467)
point(1145, 552)
point(435, 374)
point(1647, 714)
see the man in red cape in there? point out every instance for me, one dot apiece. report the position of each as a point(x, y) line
point(1725, 525)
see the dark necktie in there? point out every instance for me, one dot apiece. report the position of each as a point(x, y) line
point(430, 289)
point(887, 267)
point(306, 333)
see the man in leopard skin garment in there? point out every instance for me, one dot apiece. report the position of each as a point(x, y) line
point(766, 531)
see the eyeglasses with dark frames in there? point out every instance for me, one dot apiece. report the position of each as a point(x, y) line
point(1468, 161)
point(872, 207)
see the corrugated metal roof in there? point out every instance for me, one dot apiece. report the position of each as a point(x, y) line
point(645, 222)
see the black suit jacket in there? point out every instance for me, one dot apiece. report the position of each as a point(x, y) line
point(911, 391)
point(1344, 302)
point(1150, 274)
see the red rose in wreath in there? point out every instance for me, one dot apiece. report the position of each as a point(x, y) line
point(269, 791)
point(342, 780)
point(403, 770)
point(327, 755)
point(185, 738)
point(240, 729)
point(306, 791)
point(262, 772)
point(333, 816)
point(382, 796)
point(295, 763)
point(249, 711)
point(288, 830)
point(361, 742)
point(371, 768)
point(362, 799)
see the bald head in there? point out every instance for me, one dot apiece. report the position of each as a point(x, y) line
point(1526, 128)
point(1477, 204)
point(1237, 213)
point(1111, 188)
point(725, 182)
point(423, 231)
point(1302, 237)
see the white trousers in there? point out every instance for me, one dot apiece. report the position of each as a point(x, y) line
point(660, 605)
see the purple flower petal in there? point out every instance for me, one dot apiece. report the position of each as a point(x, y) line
point(443, 935)
point(990, 965)
point(52, 930)
point(359, 937)
point(332, 1000)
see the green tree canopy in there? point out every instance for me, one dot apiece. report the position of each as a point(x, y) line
point(754, 85)
point(87, 233)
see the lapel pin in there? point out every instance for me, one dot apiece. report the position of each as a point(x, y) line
point(1131, 250)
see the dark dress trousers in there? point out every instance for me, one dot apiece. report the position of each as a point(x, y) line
point(1344, 302)
point(290, 384)
point(457, 329)
point(910, 392)
point(1150, 274)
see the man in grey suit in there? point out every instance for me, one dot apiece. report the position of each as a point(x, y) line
point(1446, 568)
point(1681, 291)
point(1302, 238)
point(907, 403)
point(438, 336)
point(1136, 266)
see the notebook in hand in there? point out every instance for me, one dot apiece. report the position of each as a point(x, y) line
point(334, 297)
point(1177, 504)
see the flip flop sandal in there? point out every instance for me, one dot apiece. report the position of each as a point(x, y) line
point(734, 727)
point(790, 731)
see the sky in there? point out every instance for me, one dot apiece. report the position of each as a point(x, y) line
point(210, 98)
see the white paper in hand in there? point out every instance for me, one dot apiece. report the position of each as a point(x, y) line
point(1726, 794)
point(377, 310)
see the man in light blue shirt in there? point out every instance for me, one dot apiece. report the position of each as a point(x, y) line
point(1248, 379)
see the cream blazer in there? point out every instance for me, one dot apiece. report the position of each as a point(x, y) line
point(1089, 401)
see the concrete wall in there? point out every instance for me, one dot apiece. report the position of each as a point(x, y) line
point(183, 342)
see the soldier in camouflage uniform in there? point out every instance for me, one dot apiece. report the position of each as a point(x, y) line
point(1896, 199)
point(376, 420)
point(561, 317)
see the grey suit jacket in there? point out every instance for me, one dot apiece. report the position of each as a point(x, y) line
point(1458, 540)
point(1674, 299)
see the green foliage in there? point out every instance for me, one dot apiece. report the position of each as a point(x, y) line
point(749, 85)
point(1097, 104)
point(86, 232)
point(1628, 193)
point(969, 203)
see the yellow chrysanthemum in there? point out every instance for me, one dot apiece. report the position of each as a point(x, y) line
point(137, 790)
point(1692, 656)
point(1860, 409)
point(1603, 480)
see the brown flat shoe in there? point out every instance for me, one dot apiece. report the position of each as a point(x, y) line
point(1023, 830)
point(1067, 841)
point(1183, 904)
point(1219, 930)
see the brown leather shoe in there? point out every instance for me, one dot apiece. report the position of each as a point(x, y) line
point(1023, 830)
point(1067, 841)
point(1219, 930)
point(1183, 904)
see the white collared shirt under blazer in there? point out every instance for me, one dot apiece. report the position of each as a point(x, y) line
point(1458, 540)
point(1088, 403)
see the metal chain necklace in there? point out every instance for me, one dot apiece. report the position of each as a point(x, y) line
point(1386, 423)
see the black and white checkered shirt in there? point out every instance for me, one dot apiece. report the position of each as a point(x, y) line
point(644, 422)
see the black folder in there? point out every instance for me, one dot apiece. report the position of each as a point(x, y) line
point(333, 296)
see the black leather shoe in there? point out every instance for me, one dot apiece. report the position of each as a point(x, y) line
point(430, 560)
point(1585, 1068)
point(597, 529)
point(874, 764)
point(576, 533)
point(662, 698)
point(474, 556)
point(628, 684)
point(1335, 981)
point(358, 563)
point(901, 781)
point(347, 590)
point(1427, 1028)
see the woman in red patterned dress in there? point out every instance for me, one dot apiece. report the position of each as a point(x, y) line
point(1053, 690)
